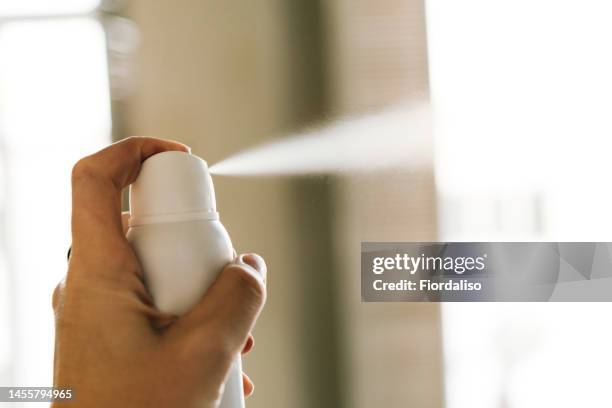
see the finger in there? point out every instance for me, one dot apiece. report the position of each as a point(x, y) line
point(125, 220)
point(256, 262)
point(97, 181)
point(248, 346)
point(247, 385)
point(231, 305)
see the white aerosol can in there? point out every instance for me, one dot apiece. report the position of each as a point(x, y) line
point(175, 231)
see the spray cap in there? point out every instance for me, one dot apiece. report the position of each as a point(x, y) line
point(172, 187)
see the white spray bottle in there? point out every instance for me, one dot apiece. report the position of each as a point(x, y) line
point(179, 240)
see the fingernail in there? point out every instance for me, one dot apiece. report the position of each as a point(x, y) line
point(256, 262)
point(248, 345)
point(188, 148)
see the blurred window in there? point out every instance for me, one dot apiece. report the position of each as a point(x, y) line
point(29, 8)
point(522, 91)
point(54, 108)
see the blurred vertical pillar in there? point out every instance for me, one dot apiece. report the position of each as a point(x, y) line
point(392, 353)
point(319, 321)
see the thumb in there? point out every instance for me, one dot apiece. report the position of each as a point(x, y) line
point(223, 319)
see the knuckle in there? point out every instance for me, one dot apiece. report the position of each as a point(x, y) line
point(132, 144)
point(206, 345)
point(247, 283)
point(133, 139)
point(82, 169)
point(218, 346)
point(57, 294)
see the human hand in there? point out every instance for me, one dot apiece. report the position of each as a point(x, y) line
point(112, 346)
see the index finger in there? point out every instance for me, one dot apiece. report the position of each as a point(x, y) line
point(97, 182)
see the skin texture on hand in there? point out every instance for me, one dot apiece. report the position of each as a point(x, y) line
point(113, 348)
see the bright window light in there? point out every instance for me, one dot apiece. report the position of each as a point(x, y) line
point(527, 355)
point(17, 8)
point(54, 108)
point(521, 93)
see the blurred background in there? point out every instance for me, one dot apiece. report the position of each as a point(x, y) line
point(521, 95)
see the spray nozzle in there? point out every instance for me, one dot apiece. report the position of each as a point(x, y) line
point(172, 186)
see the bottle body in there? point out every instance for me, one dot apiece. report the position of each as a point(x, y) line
point(180, 260)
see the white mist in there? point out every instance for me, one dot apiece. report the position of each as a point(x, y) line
point(399, 137)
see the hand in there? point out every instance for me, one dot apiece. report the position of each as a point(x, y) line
point(112, 346)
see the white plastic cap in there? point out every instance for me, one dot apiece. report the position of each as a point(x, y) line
point(172, 186)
